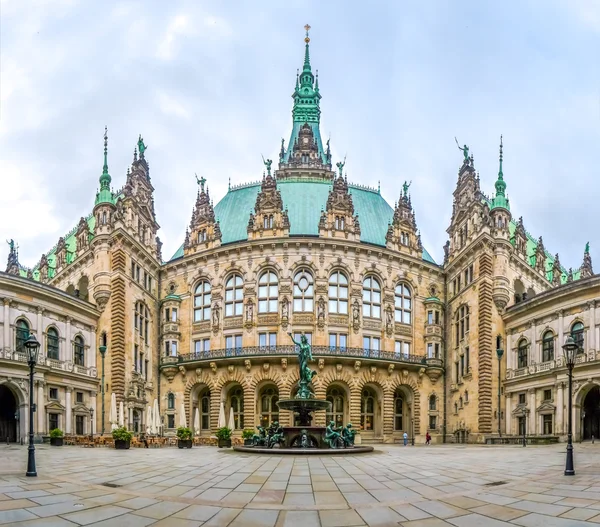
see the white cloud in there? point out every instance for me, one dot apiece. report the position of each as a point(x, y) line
point(179, 25)
point(169, 105)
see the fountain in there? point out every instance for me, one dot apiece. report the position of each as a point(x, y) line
point(304, 438)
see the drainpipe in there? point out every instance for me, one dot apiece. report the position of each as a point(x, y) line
point(446, 340)
point(158, 337)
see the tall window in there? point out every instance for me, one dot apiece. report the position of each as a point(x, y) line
point(303, 292)
point(234, 296)
point(268, 221)
point(21, 335)
point(202, 301)
point(577, 334)
point(367, 410)
point(78, 351)
point(52, 421)
point(371, 298)
point(432, 402)
point(462, 323)
point(171, 401)
point(371, 346)
point(338, 341)
point(79, 425)
point(269, 411)
point(402, 349)
point(522, 354)
point(233, 344)
point(201, 347)
point(398, 410)
point(338, 293)
point(548, 346)
point(205, 409)
point(403, 304)
point(52, 343)
point(237, 403)
point(268, 293)
point(142, 320)
point(547, 423)
point(336, 396)
point(267, 341)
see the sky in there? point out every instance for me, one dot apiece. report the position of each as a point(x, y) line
point(209, 84)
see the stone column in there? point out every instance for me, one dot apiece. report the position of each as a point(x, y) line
point(532, 414)
point(508, 351)
point(561, 336)
point(6, 328)
point(559, 408)
point(40, 333)
point(91, 359)
point(592, 323)
point(40, 409)
point(535, 356)
point(68, 411)
point(68, 352)
point(93, 406)
point(508, 414)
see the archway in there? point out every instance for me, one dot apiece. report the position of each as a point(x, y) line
point(339, 398)
point(591, 414)
point(8, 414)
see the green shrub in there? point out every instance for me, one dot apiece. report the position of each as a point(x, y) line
point(57, 432)
point(184, 433)
point(247, 434)
point(223, 433)
point(121, 434)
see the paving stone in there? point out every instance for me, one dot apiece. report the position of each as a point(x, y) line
point(298, 519)
point(499, 512)
point(539, 520)
point(428, 522)
point(579, 514)
point(255, 518)
point(299, 498)
point(380, 517)
point(96, 514)
point(52, 521)
point(222, 518)
point(541, 508)
point(475, 520)
point(125, 520)
point(197, 512)
point(15, 515)
point(340, 518)
point(161, 510)
point(440, 510)
point(332, 498)
point(137, 503)
point(410, 512)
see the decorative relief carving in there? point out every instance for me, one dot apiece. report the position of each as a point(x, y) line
point(247, 364)
point(270, 319)
point(321, 364)
point(284, 363)
point(233, 322)
point(372, 324)
point(266, 366)
point(199, 327)
point(390, 369)
point(338, 320)
point(303, 319)
point(231, 369)
point(356, 366)
point(213, 367)
point(402, 329)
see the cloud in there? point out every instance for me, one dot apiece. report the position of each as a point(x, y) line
point(171, 106)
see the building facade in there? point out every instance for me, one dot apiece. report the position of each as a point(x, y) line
point(400, 343)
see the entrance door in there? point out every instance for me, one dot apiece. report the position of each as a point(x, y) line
point(591, 409)
point(8, 415)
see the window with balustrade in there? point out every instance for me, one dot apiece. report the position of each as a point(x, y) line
point(52, 344)
point(234, 296)
point(577, 334)
point(402, 304)
point(371, 297)
point(338, 293)
point(21, 335)
point(78, 351)
point(522, 354)
point(548, 346)
point(202, 301)
point(303, 292)
point(268, 293)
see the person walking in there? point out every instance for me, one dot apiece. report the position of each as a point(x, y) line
point(427, 439)
point(405, 436)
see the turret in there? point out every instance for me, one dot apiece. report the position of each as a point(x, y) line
point(586, 269)
point(402, 234)
point(104, 205)
point(499, 205)
point(204, 231)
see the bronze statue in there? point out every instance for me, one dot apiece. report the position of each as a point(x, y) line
point(405, 187)
point(348, 435)
point(141, 146)
point(464, 149)
point(306, 374)
point(275, 434)
point(259, 439)
point(332, 436)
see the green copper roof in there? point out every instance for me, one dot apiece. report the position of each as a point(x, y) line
point(304, 200)
point(104, 195)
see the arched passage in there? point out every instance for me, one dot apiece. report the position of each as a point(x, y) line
point(591, 413)
point(8, 414)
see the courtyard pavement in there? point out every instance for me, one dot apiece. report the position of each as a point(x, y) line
point(435, 486)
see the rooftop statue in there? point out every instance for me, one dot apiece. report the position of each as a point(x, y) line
point(141, 146)
point(587, 247)
point(11, 244)
point(405, 187)
point(464, 149)
point(340, 166)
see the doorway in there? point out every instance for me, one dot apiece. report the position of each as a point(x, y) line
point(591, 414)
point(8, 415)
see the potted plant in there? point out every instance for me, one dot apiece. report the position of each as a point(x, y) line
point(224, 437)
point(122, 438)
point(56, 437)
point(247, 436)
point(184, 437)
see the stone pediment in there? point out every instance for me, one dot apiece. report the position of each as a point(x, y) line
point(546, 408)
point(520, 410)
point(54, 405)
point(81, 408)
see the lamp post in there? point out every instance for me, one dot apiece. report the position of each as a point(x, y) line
point(570, 348)
point(92, 423)
point(33, 347)
point(102, 350)
point(499, 353)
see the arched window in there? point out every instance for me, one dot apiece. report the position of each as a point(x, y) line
point(577, 334)
point(548, 346)
point(460, 402)
point(236, 402)
point(522, 354)
point(339, 223)
point(403, 304)
point(268, 292)
point(202, 301)
point(371, 297)
point(269, 411)
point(52, 349)
point(78, 351)
point(398, 410)
point(462, 323)
point(171, 402)
point(234, 296)
point(336, 396)
point(22, 333)
point(142, 320)
point(432, 402)
point(338, 293)
point(367, 410)
point(205, 409)
point(202, 237)
point(303, 292)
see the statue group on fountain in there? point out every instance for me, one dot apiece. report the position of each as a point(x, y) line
point(268, 437)
point(342, 437)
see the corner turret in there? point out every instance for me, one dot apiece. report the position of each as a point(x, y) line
point(204, 231)
point(586, 269)
point(105, 201)
point(499, 205)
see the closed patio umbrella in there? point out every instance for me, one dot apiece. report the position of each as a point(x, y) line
point(182, 419)
point(231, 420)
point(156, 418)
point(121, 415)
point(197, 422)
point(149, 420)
point(113, 411)
point(222, 421)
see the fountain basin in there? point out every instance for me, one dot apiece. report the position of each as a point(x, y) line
point(361, 449)
point(304, 408)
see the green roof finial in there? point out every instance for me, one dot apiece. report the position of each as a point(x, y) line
point(587, 248)
point(105, 195)
point(500, 200)
point(306, 50)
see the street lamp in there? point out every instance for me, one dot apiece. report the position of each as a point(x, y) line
point(570, 349)
point(499, 353)
point(32, 346)
point(92, 423)
point(102, 350)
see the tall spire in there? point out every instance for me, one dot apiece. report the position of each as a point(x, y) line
point(500, 200)
point(104, 195)
point(306, 50)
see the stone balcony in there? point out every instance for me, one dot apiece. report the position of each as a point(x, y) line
point(52, 364)
point(542, 367)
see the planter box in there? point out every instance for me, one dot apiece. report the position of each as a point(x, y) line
point(57, 441)
point(184, 443)
point(122, 445)
point(224, 443)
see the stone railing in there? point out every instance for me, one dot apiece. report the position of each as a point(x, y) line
point(550, 365)
point(53, 364)
point(317, 351)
